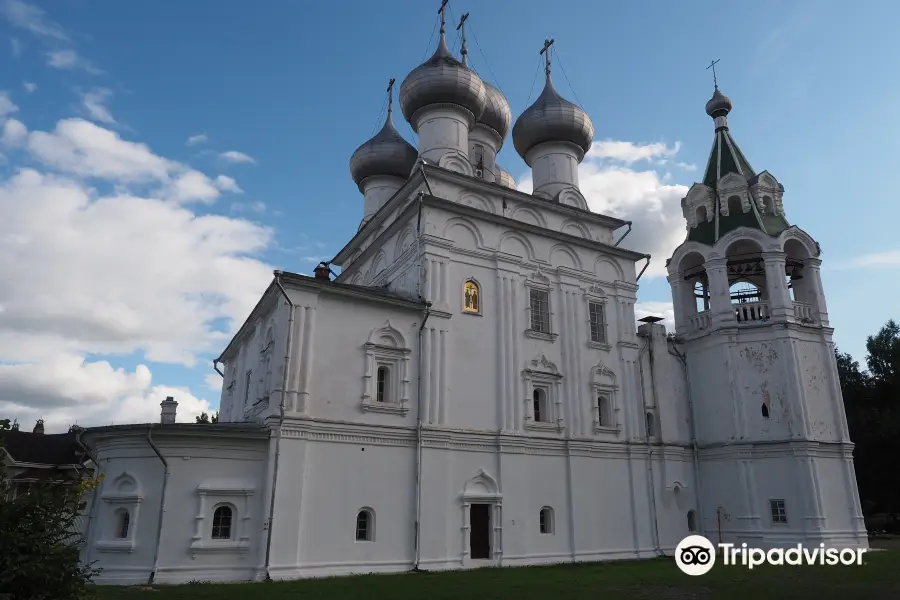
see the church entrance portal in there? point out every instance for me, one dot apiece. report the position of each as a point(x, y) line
point(480, 532)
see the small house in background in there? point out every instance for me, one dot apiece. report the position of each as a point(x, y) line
point(32, 457)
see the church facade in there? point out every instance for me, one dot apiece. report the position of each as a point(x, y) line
point(472, 389)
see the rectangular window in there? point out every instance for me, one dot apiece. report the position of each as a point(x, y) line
point(598, 322)
point(540, 311)
point(603, 419)
point(478, 156)
point(539, 398)
point(247, 387)
point(381, 392)
point(779, 514)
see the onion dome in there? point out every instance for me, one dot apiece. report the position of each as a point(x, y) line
point(552, 118)
point(442, 80)
point(496, 115)
point(505, 179)
point(719, 105)
point(385, 154)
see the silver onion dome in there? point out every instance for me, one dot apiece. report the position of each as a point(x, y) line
point(385, 154)
point(505, 179)
point(552, 118)
point(442, 80)
point(496, 115)
point(719, 105)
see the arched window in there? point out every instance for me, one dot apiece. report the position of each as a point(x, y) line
point(546, 520)
point(765, 410)
point(471, 297)
point(701, 214)
point(383, 384)
point(651, 426)
point(539, 398)
point(735, 206)
point(365, 525)
point(221, 527)
point(692, 520)
point(122, 524)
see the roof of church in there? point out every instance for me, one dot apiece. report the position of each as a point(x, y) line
point(726, 158)
point(40, 448)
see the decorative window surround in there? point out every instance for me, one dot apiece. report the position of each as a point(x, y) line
point(542, 373)
point(482, 489)
point(596, 295)
point(386, 348)
point(230, 495)
point(539, 281)
point(603, 384)
point(126, 494)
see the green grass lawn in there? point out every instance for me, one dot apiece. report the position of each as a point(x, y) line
point(658, 579)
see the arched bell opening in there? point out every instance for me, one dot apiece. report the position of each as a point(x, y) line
point(800, 280)
point(694, 291)
point(747, 283)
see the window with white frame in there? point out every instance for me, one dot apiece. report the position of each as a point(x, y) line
point(603, 388)
point(123, 497)
point(651, 425)
point(365, 525)
point(540, 310)
point(542, 379)
point(386, 379)
point(540, 315)
point(598, 322)
point(223, 522)
point(779, 512)
point(546, 520)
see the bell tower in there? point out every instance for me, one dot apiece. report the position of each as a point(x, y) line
point(776, 460)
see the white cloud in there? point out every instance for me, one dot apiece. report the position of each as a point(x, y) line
point(200, 138)
point(94, 102)
point(31, 18)
point(876, 260)
point(69, 59)
point(7, 106)
point(233, 156)
point(16, 47)
point(92, 272)
point(14, 133)
point(629, 152)
point(85, 150)
point(657, 309)
point(214, 382)
point(228, 184)
point(640, 196)
point(65, 390)
point(29, 86)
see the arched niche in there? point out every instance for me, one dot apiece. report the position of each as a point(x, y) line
point(463, 233)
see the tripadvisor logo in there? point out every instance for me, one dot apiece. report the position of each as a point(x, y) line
point(696, 555)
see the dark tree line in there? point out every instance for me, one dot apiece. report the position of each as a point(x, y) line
point(872, 403)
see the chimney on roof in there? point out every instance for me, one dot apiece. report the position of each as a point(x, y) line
point(323, 271)
point(167, 414)
point(39, 427)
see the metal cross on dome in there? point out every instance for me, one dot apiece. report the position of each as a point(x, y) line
point(712, 66)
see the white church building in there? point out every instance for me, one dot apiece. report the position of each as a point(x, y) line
point(472, 388)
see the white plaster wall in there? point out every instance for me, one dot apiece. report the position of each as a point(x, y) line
point(192, 463)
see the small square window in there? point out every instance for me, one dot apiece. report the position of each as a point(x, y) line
point(598, 322)
point(540, 311)
point(779, 513)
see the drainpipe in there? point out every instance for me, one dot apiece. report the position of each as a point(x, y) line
point(646, 264)
point(694, 448)
point(651, 483)
point(162, 504)
point(627, 231)
point(418, 532)
point(216, 368)
point(94, 497)
point(284, 383)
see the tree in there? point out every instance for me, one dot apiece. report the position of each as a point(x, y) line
point(872, 405)
point(40, 541)
point(205, 418)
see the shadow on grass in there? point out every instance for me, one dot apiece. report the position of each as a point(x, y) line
point(658, 579)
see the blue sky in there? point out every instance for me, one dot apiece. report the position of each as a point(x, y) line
point(277, 95)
